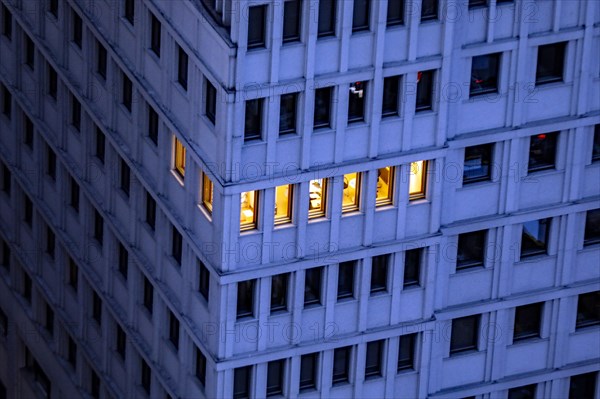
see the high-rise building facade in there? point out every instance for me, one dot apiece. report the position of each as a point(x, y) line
point(300, 198)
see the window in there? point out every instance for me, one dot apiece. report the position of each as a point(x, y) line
point(471, 249)
point(583, 385)
point(101, 60)
point(72, 352)
point(28, 211)
point(241, 382)
point(406, 352)
point(417, 181)
point(49, 320)
point(391, 87)
point(360, 15)
point(3, 333)
point(312, 286)
point(283, 204)
point(176, 245)
point(6, 179)
point(341, 365)
point(477, 3)
point(550, 63)
point(592, 227)
point(152, 125)
point(148, 295)
point(327, 17)
point(245, 299)
point(5, 259)
point(100, 151)
point(53, 8)
point(424, 91)
point(524, 392)
point(179, 157)
point(292, 11)
point(256, 26)
point(379, 273)
point(129, 11)
point(528, 319)
point(75, 113)
point(412, 267)
point(77, 29)
point(29, 52)
point(249, 210)
point(275, 377)
point(94, 385)
point(200, 367)
point(465, 334)
point(98, 227)
point(356, 102)
point(173, 330)
point(317, 198)
point(542, 151)
point(308, 371)
point(96, 308)
point(351, 193)
point(146, 376)
point(429, 10)
point(204, 280)
point(125, 178)
point(484, 74)
point(534, 238)
point(395, 12)
point(182, 68)
point(6, 22)
point(477, 163)
point(287, 113)
point(211, 102)
point(374, 359)
point(253, 120)
point(155, 33)
point(123, 260)
point(345, 288)
point(127, 92)
point(596, 144)
point(322, 114)
point(52, 83)
point(73, 275)
point(279, 292)
point(6, 102)
point(150, 211)
point(207, 192)
point(28, 132)
point(385, 186)
point(588, 310)
point(50, 242)
point(120, 341)
point(27, 287)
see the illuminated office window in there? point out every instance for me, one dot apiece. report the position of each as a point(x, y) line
point(417, 180)
point(248, 211)
point(179, 158)
point(207, 192)
point(385, 186)
point(351, 197)
point(283, 204)
point(318, 198)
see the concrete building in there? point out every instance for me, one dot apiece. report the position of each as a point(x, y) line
point(367, 199)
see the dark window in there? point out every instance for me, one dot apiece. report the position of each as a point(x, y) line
point(391, 86)
point(471, 249)
point(5, 259)
point(341, 365)
point(412, 267)
point(583, 386)
point(275, 377)
point(534, 238)
point(374, 359)
point(96, 308)
point(253, 119)
point(477, 163)
point(123, 260)
point(100, 150)
point(27, 287)
point(155, 32)
point(29, 53)
point(211, 101)
point(322, 107)
point(6, 102)
point(50, 242)
point(98, 227)
point(6, 179)
point(292, 11)
point(308, 371)
point(279, 292)
point(73, 275)
point(6, 22)
point(312, 286)
point(245, 299)
point(125, 177)
point(152, 125)
point(596, 144)
point(550, 63)
point(173, 330)
point(592, 227)
point(356, 102)
point(101, 60)
point(3, 333)
point(588, 309)
point(287, 113)
point(346, 280)
point(72, 352)
point(77, 29)
point(360, 15)
point(182, 68)
point(256, 26)
point(146, 376)
point(120, 341)
point(327, 18)
point(94, 385)
point(406, 352)
point(148, 295)
point(528, 320)
point(477, 3)
point(379, 273)
point(542, 151)
point(74, 195)
point(28, 211)
point(395, 12)
point(49, 320)
point(52, 83)
point(484, 74)
point(53, 8)
point(127, 92)
point(424, 90)
point(465, 334)
point(200, 366)
point(524, 392)
point(150, 211)
point(28, 132)
point(75, 113)
point(129, 10)
point(429, 10)
point(241, 382)
point(204, 283)
point(176, 245)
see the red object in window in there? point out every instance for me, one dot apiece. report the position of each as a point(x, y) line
point(419, 74)
point(541, 136)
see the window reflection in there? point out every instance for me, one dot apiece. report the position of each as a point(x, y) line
point(416, 182)
point(207, 192)
point(248, 211)
point(283, 204)
point(317, 198)
point(350, 199)
point(179, 158)
point(385, 185)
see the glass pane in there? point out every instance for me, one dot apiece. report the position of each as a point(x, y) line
point(385, 182)
point(291, 20)
point(283, 204)
point(248, 210)
point(326, 17)
point(542, 151)
point(207, 192)
point(317, 198)
point(279, 292)
point(416, 181)
point(179, 157)
point(287, 114)
point(322, 107)
point(534, 237)
point(484, 74)
point(350, 199)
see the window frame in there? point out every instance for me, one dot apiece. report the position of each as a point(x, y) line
point(551, 144)
point(426, 102)
point(241, 382)
point(279, 303)
point(582, 319)
point(101, 60)
point(276, 387)
point(472, 260)
point(182, 68)
point(536, 330)
point(389, 199)
point(208, 193)
point(342, 376)
point(399, 20)
point(210, 102)
point(179, 157)
point(484, 152)
point(558, 71)
point(252, 224)
point(155, 35)
point(388, 111)
point(76, 29)
point(176, 245)
point(283, 130)
point(321, 211)
point(287, 218)
point(540, 251)
point(432, 16)
point(359, 8)
point(326, 28)
point(375, 369)
point(494, 75)
point(253, 121)
point(261, 35)
point(383, 262)
point(245, 299)
point(412, 282)
point(203, 280)
point(406, 361)
point(129, 11)
point(313, 286)
point(357, 99)
point(320, 123)
point(355, 205)
point(290, 38)
point(473, 345)
point(422, 193)
point(342, 291)
point(591, 236)
point(306, 383)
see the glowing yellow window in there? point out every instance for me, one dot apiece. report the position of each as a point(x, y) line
point(249, 210)
point(179, 158)
point(207, 192)
point(385, 186)
point(351, 197)
point(417, 180)
point(318, 198)
point(283, 204)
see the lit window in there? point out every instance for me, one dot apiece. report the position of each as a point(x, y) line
point(385, 186)
point(283, 204)
point(248, 211)
point(179, 158)
point(417, 180)
point(207, 192)
point(351, 198)
point(318, 195)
